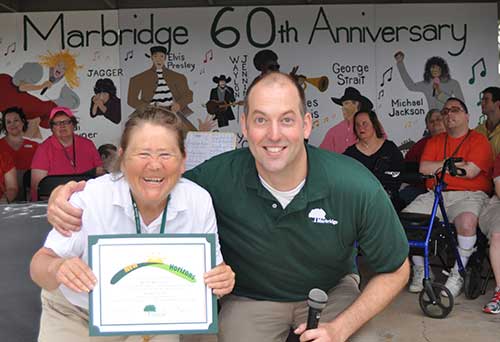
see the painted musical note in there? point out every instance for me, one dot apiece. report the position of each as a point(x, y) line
point(209, 55)
point(389, 78)
point(129, 55)
point(380, 94)
point(482, 72)
point(10, 49)
point(478, 103)
point(97, 55)
point(202, 71)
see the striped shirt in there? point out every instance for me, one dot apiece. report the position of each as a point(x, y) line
point(163, 96)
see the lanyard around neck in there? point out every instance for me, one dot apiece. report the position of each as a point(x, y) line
point(72, 162)
point(138, 220)
point(456, 149)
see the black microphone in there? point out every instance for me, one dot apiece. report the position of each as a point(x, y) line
point(317, 301)
point(51, 79)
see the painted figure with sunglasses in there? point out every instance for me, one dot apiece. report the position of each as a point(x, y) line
point(465, 195)
point(64, 152)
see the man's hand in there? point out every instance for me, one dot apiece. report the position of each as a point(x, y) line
point(60, 213)
point(220, 279)
point(75, 274)
point(324, 333)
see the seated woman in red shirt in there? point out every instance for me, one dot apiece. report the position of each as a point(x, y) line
point(63, 153)
point(8, 179)
point(20, 149)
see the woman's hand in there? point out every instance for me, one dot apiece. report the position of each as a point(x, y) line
point(220, 279)
point(75, 274)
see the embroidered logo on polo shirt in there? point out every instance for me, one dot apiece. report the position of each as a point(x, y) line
point(318, 215)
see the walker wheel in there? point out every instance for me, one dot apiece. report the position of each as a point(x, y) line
point(443, 304)
point(472, 282)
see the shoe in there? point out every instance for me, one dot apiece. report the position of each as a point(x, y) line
point(417, 284)
point(454, 283)
point(493, 307)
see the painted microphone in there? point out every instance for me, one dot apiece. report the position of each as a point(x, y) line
point(316, 301)
point(51, 79)
point(435, 82)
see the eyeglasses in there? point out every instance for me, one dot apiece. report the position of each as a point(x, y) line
point(62, 123)
point(453, 110)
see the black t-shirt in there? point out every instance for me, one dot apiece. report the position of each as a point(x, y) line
point(387, 158)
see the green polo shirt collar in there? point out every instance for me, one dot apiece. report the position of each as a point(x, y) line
point(313, 189)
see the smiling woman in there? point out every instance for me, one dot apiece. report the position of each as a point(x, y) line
point(134, 198)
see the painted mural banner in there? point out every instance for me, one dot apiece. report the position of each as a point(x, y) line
point(200, 62)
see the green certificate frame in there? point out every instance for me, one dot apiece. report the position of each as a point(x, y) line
point(151, 284)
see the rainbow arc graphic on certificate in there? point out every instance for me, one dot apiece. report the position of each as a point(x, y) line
point(151, 284)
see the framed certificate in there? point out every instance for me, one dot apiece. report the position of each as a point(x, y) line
point(151, 284)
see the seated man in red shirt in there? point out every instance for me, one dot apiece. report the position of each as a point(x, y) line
point(464, 196)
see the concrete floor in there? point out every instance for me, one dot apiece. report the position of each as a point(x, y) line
point(404, 321)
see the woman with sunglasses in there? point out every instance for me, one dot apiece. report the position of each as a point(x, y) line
point(64, 152)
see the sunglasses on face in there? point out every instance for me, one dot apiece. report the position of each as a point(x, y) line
point(61, 123)
point(453, 110)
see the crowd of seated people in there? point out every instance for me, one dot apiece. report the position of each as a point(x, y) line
point(467, 198)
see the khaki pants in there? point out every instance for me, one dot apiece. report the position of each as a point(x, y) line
point(62, 321)
point(455, 203)
point(489, 220)
point(246, 320)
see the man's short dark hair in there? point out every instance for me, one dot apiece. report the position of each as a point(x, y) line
point(276, 75)
point(494, 91)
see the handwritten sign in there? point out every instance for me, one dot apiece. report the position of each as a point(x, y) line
point(201, 146)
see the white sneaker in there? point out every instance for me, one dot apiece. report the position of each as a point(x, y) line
point(417, 284)
point(454, 283)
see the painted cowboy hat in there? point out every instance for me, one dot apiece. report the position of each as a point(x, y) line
point(266, 60)
point(353, 94)
point(221, 78)
point(155, 49)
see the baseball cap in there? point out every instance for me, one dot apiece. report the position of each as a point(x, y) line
point(56, 110)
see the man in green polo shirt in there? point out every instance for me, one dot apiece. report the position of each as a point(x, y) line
point(289, 216)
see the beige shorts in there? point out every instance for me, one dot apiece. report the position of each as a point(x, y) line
point(455, 203)
point(489, 220)
point(247, 320)
point(62, 321)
